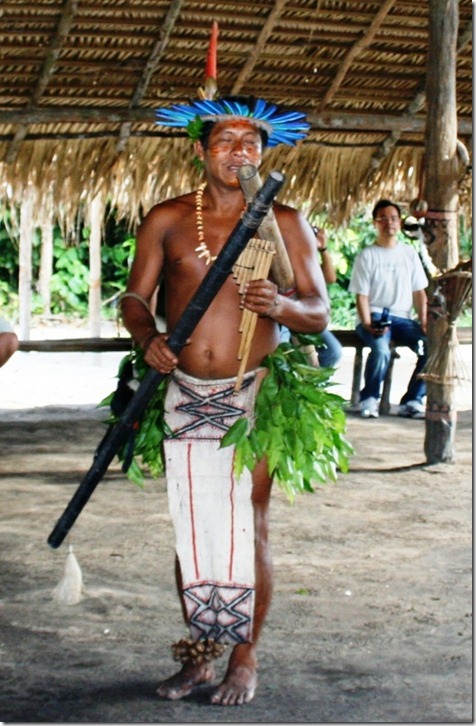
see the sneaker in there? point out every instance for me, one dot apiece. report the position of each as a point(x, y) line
point(369, 408)
point(411, 409)
point(404, 411)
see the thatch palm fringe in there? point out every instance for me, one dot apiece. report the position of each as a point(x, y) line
point(319, 177)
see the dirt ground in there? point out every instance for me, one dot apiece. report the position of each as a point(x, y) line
point(371, 615)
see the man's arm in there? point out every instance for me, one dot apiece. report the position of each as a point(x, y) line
point(363, 308)
point(420, 302)
point(308, 311)
point(145, 273)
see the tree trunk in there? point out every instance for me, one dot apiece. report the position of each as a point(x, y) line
point(46, 265)
point(25, 256)
point(95, 268)
point(441, 193)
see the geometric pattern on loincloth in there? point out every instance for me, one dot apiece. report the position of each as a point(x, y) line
point(223, 613)
point(210, 409)
point(211, 509)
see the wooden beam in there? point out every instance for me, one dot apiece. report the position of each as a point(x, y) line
point(67, 15)
point(150, 67)
point(70, 8)
point(80, 136)
point(266, 31)
point(329, 120)
point(353, 52)
point(75, 345)
point(389, 143)
point(347, 338)
point(337, 143)
point(191, 57)
point(108, 133)
point(416, 105)
point(295, 81)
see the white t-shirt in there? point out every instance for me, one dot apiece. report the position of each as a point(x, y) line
point(388, 276)
point(5, 326)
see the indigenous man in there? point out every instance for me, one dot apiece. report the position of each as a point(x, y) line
point(225, 601)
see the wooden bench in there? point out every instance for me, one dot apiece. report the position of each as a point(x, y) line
point(76, 345)
point(350, 339)
point(347, 338)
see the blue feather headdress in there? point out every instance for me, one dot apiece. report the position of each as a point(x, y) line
point(282, 126)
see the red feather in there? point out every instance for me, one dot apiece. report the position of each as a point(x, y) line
point(211, 67)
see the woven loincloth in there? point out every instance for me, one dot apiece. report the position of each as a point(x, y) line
point(211, 510)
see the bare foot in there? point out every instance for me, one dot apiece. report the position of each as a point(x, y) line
point(240, 681)
point(183, 682)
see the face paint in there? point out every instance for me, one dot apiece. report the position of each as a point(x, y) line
point(236, 137)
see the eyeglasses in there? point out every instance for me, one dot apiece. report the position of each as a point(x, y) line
point(388, 219)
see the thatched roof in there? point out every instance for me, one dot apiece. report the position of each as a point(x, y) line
point(81, 80)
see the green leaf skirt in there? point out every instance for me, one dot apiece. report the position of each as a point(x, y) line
point(298, 425)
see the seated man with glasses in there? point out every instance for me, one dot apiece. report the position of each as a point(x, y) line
point(389, 281)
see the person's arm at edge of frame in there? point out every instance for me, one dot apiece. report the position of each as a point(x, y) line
point(328, 269)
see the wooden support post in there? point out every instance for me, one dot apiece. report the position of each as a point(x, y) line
point(441, 193)
point(356, 376)
point(25, 257)
point(46, 264)
point(384, 408)
point(95, 268)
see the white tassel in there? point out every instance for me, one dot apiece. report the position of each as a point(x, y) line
point(68, 591)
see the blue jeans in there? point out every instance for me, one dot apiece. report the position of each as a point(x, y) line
point(329, 353)
point(402, 332)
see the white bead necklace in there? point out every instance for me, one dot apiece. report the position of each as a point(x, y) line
point(202, 248)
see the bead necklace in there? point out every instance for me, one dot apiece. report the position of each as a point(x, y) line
point(202, 248)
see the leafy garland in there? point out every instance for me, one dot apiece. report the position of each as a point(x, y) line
point(298, 425)
point(194, 128)
point(144, 449)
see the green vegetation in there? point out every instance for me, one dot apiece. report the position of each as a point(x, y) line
point(344, 245)
point(142, 454)
point(299, 425)
point(69, 285)
point(70, 273)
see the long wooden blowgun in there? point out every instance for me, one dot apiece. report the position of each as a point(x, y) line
point(205, 293)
